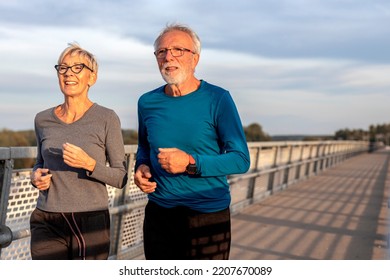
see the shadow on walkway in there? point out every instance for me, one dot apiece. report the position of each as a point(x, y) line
point(339, 214)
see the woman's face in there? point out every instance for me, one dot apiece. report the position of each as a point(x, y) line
point(72, 84)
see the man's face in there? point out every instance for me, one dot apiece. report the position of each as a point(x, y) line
point(177, 70)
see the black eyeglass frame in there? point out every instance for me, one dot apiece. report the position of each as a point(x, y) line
point(57, 67)
point(160, 53)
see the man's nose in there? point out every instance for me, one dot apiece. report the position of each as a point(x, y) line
point(168, 55)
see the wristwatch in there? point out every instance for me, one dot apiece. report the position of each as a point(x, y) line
point(191, 167)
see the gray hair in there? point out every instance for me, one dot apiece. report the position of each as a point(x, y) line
point(75, 49)
point(183, 28)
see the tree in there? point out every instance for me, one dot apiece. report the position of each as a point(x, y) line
point(10, 138)
point(130, 137)
point(254, 133)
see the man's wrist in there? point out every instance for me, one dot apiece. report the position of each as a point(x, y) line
point(191, 167)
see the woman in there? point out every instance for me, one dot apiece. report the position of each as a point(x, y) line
point(75, 142)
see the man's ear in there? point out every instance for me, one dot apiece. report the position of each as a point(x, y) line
point(195, 60)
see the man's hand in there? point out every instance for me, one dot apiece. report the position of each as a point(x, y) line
point(173, 160)
point(41, 178)
point(141, 179)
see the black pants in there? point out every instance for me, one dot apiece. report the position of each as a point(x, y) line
point(70, 236)
point(180, 233)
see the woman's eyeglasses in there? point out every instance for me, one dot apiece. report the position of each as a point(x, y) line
point(77, 68)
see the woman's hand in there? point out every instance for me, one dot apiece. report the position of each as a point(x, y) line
point(41, 178)
point(76, 157)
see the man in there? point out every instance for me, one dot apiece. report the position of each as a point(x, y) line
point(190, 139)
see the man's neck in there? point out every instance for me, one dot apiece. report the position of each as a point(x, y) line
point(177, 90)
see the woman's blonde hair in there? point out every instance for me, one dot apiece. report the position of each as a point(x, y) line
point(75, 49)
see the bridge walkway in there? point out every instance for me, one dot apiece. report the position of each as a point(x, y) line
point(340, 214)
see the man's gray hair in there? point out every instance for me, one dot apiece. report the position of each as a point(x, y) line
point(183, 28)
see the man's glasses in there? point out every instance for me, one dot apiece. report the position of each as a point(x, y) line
point(175, 52)
point(77, 68)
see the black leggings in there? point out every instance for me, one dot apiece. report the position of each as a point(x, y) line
point(180, 233)
point(70, 236)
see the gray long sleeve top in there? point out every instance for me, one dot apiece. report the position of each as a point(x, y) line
point(99, 134)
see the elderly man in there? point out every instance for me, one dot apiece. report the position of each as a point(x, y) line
point(190, 139)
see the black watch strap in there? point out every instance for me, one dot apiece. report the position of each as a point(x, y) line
point(191, 167)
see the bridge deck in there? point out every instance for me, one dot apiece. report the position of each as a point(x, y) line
point(340, 214)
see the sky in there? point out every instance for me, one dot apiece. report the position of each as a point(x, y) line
point(293, 66)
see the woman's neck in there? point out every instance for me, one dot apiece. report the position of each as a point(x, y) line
point(72, 110)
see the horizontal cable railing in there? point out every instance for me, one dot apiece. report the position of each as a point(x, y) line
point(274, 166)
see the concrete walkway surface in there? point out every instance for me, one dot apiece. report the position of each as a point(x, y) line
point(340, 214)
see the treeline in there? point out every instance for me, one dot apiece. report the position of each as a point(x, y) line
point(380, 133)
point(375, 133)
point(253, 133)
point(9, 138)
point(352, 134)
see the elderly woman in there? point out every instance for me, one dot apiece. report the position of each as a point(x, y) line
point(75, 142)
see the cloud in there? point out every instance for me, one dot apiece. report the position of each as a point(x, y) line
point(275, 28)
point(295, 94)
point(126, 69)
point(292, 66)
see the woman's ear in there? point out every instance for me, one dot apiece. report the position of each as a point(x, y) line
point(92, 79)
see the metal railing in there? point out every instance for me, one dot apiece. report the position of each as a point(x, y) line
point(274, 166)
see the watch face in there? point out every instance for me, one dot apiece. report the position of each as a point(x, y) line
point(191, 169)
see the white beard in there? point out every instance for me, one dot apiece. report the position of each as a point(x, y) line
point(177, 80)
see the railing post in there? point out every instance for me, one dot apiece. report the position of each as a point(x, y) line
point(315, 168)
point(252, 181)
point(6, 166)
point(271, 179)
point(289, 161)
point(333, 153)
point(308, 164)
point(299, 167)
point(121, 199)
point(322, 155)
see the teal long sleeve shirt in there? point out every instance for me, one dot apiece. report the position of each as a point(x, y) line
point(205, 124)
